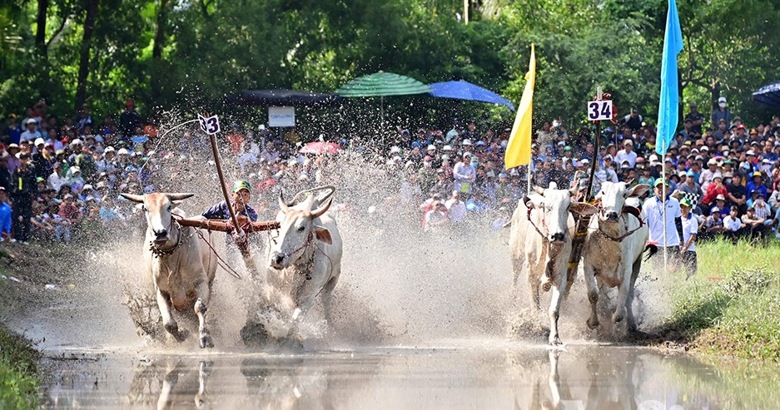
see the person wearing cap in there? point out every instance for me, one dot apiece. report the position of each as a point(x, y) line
point(713, 225)
point(734, 228)
point(757, 185)
point(706, 176)
point(721, 113)
point(689, 185)
point(6, 216)
point(714, 189)
point(626, 154)
point(240, 203)
point(663, 215)
point(24, 191)
point(690, 230)
point(31, 132)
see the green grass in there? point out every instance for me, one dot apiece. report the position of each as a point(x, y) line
point(18, 371)
point(733, 305)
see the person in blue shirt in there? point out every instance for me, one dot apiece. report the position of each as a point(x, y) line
point(5, 216)
point(756, 185)
point(240, 203)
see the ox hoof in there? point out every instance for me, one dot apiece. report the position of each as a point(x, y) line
point(592, 323)
point(205, 341)
point(546, 283)
point(555, 341)
point(617, 318)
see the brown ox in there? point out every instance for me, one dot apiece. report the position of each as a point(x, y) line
point(179, 262)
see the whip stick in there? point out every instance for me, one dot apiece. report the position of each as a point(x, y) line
point(596, 144)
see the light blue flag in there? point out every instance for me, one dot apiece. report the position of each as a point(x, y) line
point(670, 96)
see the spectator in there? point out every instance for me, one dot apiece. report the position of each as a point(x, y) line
point(129, 120)
point(734, 227)
point(695, 118)
point(31, 133)
point(756, 185)
point(435, 218)
point(70, 216)
point(661, 216)
point(627, 154)
point(25, 191)
point(5, 217)
point(633, 121)
point(456, 209)
point(690, 230)
point(721, 113)
point(714, 189)
point(713, 225)
point(464, 175)
point(13, 131)
point(754, 226)
point(737, 194)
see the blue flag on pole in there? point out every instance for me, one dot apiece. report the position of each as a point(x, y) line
point(670, 93)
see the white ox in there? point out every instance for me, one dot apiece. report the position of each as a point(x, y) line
point(613, 249)
point(179, 262)
point(307, 253)
point(540, 245)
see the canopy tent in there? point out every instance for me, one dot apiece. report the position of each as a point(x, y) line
point(768, 94)
point(381, 85)
point(464, 90)
point(282, 97)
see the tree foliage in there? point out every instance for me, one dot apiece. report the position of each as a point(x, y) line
point(166, 53)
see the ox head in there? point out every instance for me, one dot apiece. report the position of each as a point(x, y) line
point(297, 231)
point(613, 197)
point(555, 205)
point(157, 209)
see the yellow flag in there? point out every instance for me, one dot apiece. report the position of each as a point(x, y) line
point(518, 149)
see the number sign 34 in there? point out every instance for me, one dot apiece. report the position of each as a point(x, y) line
point(600, 110)
point(209, 125)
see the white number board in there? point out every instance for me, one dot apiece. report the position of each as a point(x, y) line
point(209, 125)
point(600, 110)
point(281, 116)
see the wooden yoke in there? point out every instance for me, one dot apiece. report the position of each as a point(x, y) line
point(227, 225)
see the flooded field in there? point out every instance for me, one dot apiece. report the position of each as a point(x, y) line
point(477, 374)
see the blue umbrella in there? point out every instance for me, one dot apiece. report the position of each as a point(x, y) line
point(464, 90)
point(768, 94)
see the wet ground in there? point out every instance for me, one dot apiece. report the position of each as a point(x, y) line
point(461, 374)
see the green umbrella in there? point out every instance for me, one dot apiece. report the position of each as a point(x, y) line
point(380, 85)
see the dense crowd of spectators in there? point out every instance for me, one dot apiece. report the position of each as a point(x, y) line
point(59, 176)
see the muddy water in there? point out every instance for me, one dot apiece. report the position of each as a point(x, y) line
point(466, 374)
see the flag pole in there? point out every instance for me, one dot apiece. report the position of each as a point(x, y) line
point(663, 204)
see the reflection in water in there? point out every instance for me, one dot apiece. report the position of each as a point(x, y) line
point(583, 377)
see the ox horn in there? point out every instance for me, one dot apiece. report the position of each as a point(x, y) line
point(322, 209)
point(282, 204)
point(179, 196)
point(330, 188)
point(133, 197)
point(539, 190)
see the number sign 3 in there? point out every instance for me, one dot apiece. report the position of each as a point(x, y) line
point(209, 125)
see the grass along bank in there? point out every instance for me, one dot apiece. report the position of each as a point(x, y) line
point(18, 371)
point(732, 307)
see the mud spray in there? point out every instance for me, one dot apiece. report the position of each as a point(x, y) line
point(399, 286)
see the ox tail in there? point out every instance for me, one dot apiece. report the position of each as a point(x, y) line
point(650, 250)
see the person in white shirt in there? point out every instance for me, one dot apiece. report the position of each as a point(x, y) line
point(464, 175)
point(658, 222)
point(56, 179)
point(690, 230)
point(627, 154)
point(734, 226)
point(456, 208)
point(31, 133)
